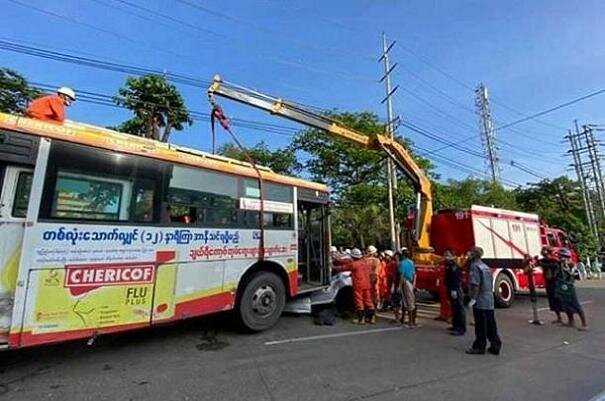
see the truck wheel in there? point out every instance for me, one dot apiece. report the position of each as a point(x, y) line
point(261, 302)
point(504, 291)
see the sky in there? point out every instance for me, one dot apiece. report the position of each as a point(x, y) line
point(531, 55)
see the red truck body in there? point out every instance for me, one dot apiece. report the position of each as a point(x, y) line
point(506, 236)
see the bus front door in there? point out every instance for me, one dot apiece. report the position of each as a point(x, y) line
point(313, 244)
point(15, 183)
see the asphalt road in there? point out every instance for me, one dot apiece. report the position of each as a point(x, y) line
point(299, 361)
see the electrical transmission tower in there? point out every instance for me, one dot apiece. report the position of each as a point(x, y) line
point(587, 164)
point(488, 137)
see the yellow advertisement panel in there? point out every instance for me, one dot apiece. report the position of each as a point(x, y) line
point(99, 296)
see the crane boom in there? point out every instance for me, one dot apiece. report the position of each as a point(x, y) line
point(394, 149)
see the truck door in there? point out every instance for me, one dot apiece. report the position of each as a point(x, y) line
point(15, 186)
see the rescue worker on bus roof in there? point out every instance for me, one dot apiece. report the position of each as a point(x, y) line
point(360, 275)
point(374, 262)
point(52, 107)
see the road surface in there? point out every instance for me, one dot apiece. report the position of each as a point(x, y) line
point(299, 361)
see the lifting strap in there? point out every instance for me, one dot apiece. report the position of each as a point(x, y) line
point(218, 115)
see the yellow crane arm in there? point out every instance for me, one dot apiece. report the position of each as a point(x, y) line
point(395, 150)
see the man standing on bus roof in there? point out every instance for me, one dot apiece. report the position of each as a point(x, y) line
point(52, 107)
point(362, 295)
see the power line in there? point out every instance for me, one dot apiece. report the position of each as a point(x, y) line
point(274, 33)
point(550, 110)
point(95, 28)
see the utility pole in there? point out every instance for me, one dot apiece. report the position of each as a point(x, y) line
point(391, 170)
point(488, 136)
point(593, 156)
point(579, 168)
point(587, 163)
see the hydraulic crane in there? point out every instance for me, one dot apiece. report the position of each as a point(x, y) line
point(395, 150)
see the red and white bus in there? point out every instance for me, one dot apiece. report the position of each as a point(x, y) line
point(103, 232)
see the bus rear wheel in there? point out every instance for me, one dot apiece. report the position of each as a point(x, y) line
point(504, 291)
point(261, 302)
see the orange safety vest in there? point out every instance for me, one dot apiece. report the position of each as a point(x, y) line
point(47, 108)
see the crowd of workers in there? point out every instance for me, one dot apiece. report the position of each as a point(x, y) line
point(386, 281)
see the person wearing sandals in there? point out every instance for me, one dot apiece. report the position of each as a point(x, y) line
point(565, 290)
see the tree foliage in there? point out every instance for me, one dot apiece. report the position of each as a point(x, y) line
point(357, 179)
point(15, 92)
point(157, 105)
point(559, 203)
point(458, 194)
point(281, 161)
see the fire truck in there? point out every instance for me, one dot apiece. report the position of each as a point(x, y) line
point(506, 236)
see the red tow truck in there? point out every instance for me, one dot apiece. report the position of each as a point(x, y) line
point(506, 236)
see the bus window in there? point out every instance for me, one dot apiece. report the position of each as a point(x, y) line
point(89, 198)
point(89, 184)
point(24, 185)
point(142, 201)
point(202, 197)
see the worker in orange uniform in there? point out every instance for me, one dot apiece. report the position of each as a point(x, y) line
point(362, 294)
point(374, 262)
point(52, 107)
point(387, 280)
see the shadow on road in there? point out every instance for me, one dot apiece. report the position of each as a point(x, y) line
point(207, 329)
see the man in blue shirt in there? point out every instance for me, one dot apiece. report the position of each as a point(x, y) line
point(407, 271)
point(482, 301)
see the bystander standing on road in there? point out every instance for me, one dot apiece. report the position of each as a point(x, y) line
point(407, 271)
point(550, 265)
point(453, 282)
point(565, 290)
point(482, 302)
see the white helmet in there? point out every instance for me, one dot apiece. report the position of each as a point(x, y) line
point(348, 251)
point(333, 249)
point(64, 90)
point(389, 253)
point(372, 250)
point(356, 254)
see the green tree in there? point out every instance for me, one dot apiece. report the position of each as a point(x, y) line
point(559, 203)
point(15, 92)
point(459, 194)
point(157, 105)
point(282, 161)
point(357, 179)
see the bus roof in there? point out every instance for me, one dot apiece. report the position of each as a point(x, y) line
point(104, 138)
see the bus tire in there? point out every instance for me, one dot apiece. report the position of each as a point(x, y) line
point(262, 302)
point(504, 291)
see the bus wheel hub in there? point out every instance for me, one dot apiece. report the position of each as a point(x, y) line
point(264, 300)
